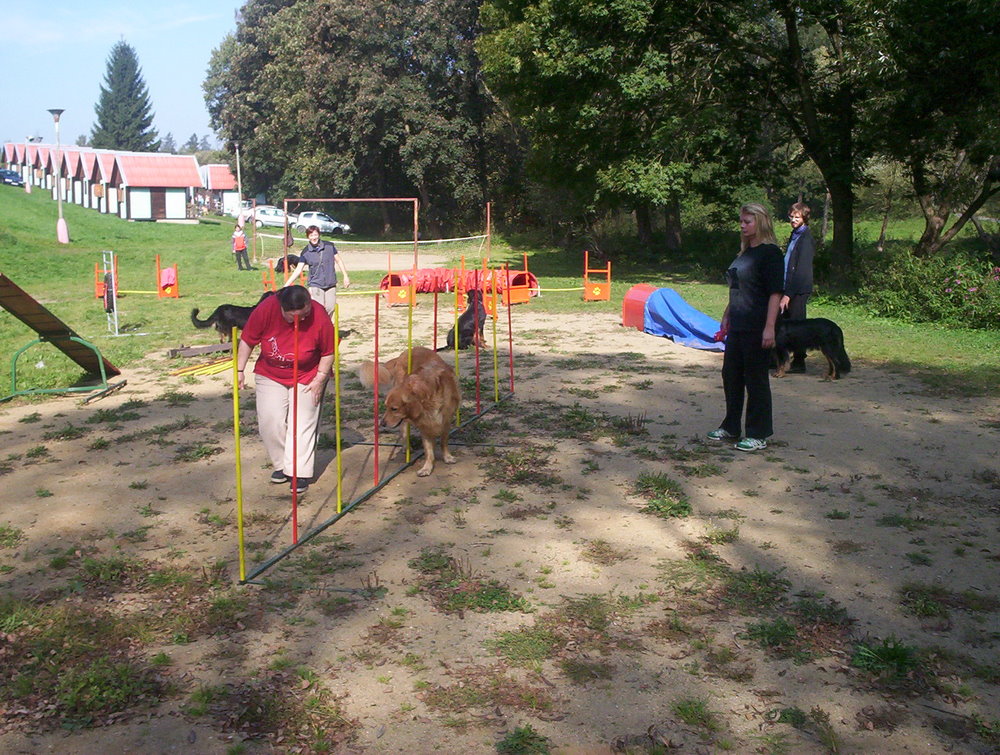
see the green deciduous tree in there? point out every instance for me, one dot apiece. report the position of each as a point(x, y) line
point(618, 104)
point(124, 115)
point(936, 78)
point(370, 98)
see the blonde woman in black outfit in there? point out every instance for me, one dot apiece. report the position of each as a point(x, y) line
point(756, 281)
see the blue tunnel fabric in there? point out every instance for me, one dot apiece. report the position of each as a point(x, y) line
point(668, 315)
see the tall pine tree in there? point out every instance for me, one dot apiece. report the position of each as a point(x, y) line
point(124, 118)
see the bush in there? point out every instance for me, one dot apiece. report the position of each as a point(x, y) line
point(956, 290)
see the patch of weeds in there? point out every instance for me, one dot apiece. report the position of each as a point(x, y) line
point(479, 687)
point(707, 469)
point(665, 496)
point(43, 493)
point(454, 586)
point(523, 512)
point(138, 535)
point(935, 600)
point(889, 660)
point(103, 686)
point(196, 452)
point(524, 741)
point(909, 523)
point(918, 559)
point(139, 485)
point(837, 514)
point(694, 711)
point(99, 444)
point(287, 710)
point(695, 573)
point(31, 418)
point(526, 465)
point(602, 552)
point(178, 398)
point(583, 670)
point(720, 536)
point(755, 590)
point(113, 570)
point(793, 716)
point(10, 536)
point(112, 416)
point(202, 698)
point(506, 496)
point(846, 547)
point(779, 634)
point(69, 432)
point(526, 646)
point(37, 452)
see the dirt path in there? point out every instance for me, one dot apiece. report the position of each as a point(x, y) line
point(632, 628)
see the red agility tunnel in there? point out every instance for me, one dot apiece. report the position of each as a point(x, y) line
point(441, 279)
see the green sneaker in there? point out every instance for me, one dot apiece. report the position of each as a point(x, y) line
point(751, 444)
point(720, 434)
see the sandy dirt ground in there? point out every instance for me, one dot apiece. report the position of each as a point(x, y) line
point(872, 491)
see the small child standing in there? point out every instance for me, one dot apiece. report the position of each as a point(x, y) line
point(240, 249)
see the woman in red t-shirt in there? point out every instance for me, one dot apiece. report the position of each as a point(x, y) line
point(272, 326)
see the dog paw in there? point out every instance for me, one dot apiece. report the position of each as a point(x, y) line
point(449, 459)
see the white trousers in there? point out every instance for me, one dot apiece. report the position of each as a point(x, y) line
point(327, 298)
point(274, 420)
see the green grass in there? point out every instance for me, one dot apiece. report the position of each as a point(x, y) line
point(937, 355)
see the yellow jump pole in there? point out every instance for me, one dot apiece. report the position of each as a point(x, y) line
point(336, 405)
point(239, 466)
point(412, 302)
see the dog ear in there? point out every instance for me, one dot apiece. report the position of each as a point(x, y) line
point(421, 390)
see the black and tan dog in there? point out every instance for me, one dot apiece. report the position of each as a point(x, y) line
point(226, 317)
point(470, 323)
point(811, 334)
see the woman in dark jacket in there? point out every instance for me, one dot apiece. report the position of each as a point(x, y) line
point(755, 280)
point(798, 273)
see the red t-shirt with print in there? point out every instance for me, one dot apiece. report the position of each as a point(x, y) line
point(267, 327)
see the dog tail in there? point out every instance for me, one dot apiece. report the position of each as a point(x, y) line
point(200, 323)
point(840, 357)
point(366, 374)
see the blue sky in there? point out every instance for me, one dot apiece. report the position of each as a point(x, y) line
point(53, 53)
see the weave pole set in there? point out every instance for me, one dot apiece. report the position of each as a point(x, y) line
point(379, 481)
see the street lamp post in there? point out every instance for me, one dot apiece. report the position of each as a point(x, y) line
point(62, 232)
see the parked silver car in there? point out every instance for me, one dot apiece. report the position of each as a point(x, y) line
point(321, 220)
point(273, 216)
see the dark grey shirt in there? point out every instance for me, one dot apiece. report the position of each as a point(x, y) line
point(753, 277)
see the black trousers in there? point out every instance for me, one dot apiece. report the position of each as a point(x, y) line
point(796, 310)
point(242, 259)
point(745, 373)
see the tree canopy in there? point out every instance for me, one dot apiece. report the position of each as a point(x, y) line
point(124, 114)
point(371, 98)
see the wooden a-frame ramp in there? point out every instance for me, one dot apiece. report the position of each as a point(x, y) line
point(52, 330)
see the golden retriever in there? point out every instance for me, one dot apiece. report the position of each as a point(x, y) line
point(426, 397)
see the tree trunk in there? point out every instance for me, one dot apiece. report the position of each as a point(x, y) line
point(841, 249)
point(644, 224)
point(672, 218)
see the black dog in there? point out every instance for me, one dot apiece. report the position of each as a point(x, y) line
point(227, 316)
point(470, 323)
point(809, 335)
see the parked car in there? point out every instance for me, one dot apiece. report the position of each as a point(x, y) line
point(11, 177)
point(274, 216)
point(321, 220)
